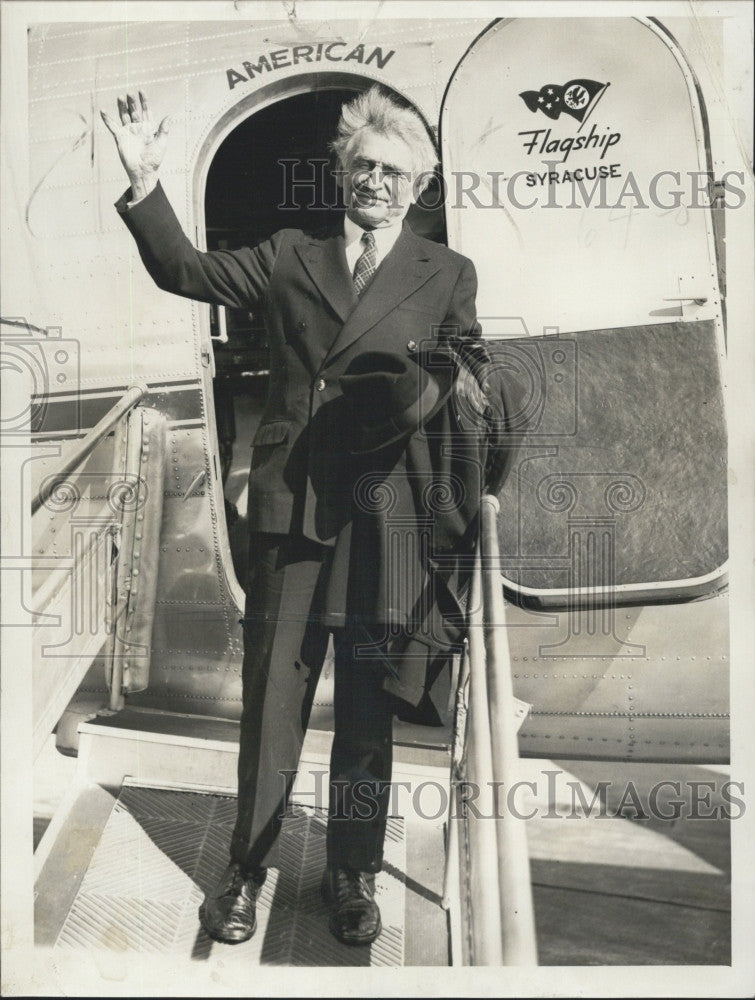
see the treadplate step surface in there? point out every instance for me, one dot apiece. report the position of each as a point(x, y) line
point(161, 851)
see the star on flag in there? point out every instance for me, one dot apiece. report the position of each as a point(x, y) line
point(573, 98)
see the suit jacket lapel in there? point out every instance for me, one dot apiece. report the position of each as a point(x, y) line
point(325, 262)
point(403, 271)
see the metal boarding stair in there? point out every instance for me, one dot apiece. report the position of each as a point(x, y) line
point(635, 893)
point(188, 762)
point(145, 831)
point(160, 851)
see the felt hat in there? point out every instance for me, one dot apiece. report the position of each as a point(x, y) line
point(391, 395)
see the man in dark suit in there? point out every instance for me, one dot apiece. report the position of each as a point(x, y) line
point(327, 299)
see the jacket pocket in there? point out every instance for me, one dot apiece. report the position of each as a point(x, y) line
point(273, 432)
point(267, 441)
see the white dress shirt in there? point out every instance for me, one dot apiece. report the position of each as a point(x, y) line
point(385, 237)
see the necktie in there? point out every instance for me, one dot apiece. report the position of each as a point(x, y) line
point(366, 265)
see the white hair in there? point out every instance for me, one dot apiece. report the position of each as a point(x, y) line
point(376, 110)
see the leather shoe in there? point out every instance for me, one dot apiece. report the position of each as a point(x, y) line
point(228, 912)
point(355, 917)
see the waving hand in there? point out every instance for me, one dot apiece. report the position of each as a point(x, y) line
point(141, 147)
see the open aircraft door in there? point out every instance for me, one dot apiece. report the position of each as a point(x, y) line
point(576, 154)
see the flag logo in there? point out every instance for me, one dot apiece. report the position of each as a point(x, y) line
point(576, 98)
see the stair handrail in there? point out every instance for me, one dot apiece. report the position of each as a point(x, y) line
point(88, 443)
point(519, 940)
point(499, 906)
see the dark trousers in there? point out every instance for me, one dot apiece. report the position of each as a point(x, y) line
point(285, 642)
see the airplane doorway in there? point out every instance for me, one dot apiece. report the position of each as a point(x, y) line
point(244, 201)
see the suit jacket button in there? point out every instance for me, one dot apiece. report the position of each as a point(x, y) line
point(320, 384)
point(301, 325)
point(411, 346)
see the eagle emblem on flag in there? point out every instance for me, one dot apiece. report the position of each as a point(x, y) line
point(574, 98)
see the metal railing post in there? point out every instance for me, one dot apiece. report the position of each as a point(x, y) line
point(485, 911)
point(516, 906)
point(461, 696)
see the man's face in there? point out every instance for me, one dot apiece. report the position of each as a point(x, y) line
point(377, 180)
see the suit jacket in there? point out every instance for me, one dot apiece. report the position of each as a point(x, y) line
point(302, 472)
point(303, 477)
